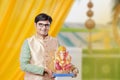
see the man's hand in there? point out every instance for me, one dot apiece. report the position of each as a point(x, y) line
point(48, 73)
point(75, 72)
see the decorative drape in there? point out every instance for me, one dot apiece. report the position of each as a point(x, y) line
point(17, 23)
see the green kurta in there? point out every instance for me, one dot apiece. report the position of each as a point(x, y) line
point(25, 61)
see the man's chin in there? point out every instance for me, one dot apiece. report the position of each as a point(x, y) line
point(44, 34)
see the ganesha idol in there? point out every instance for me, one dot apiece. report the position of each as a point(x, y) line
point(62, 62)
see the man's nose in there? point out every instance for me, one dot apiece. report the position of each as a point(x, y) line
point(44, 26)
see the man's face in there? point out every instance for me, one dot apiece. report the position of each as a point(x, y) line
point(42, 27)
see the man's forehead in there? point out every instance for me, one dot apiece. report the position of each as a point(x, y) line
point(44, 22)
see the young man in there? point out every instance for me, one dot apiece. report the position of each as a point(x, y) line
point(37, 53)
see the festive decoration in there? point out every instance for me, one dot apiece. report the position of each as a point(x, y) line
point(62, 61)
point(116, 20)
point(90, 24)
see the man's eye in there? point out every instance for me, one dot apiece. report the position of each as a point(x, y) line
point(40, 24)
point(47, 24)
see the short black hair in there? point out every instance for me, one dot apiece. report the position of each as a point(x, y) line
point(43, 17)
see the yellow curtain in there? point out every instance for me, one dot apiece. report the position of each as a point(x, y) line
point(17, 23)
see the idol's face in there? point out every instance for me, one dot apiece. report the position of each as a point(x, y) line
point(62, 54)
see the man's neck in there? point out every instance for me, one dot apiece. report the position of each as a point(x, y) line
point(42, 36)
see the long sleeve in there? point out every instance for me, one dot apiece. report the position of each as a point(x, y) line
point(25, 61)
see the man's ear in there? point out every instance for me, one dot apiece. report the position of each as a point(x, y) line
point(35, 24)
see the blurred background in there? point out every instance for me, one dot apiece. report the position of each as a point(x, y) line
point(93, 25)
